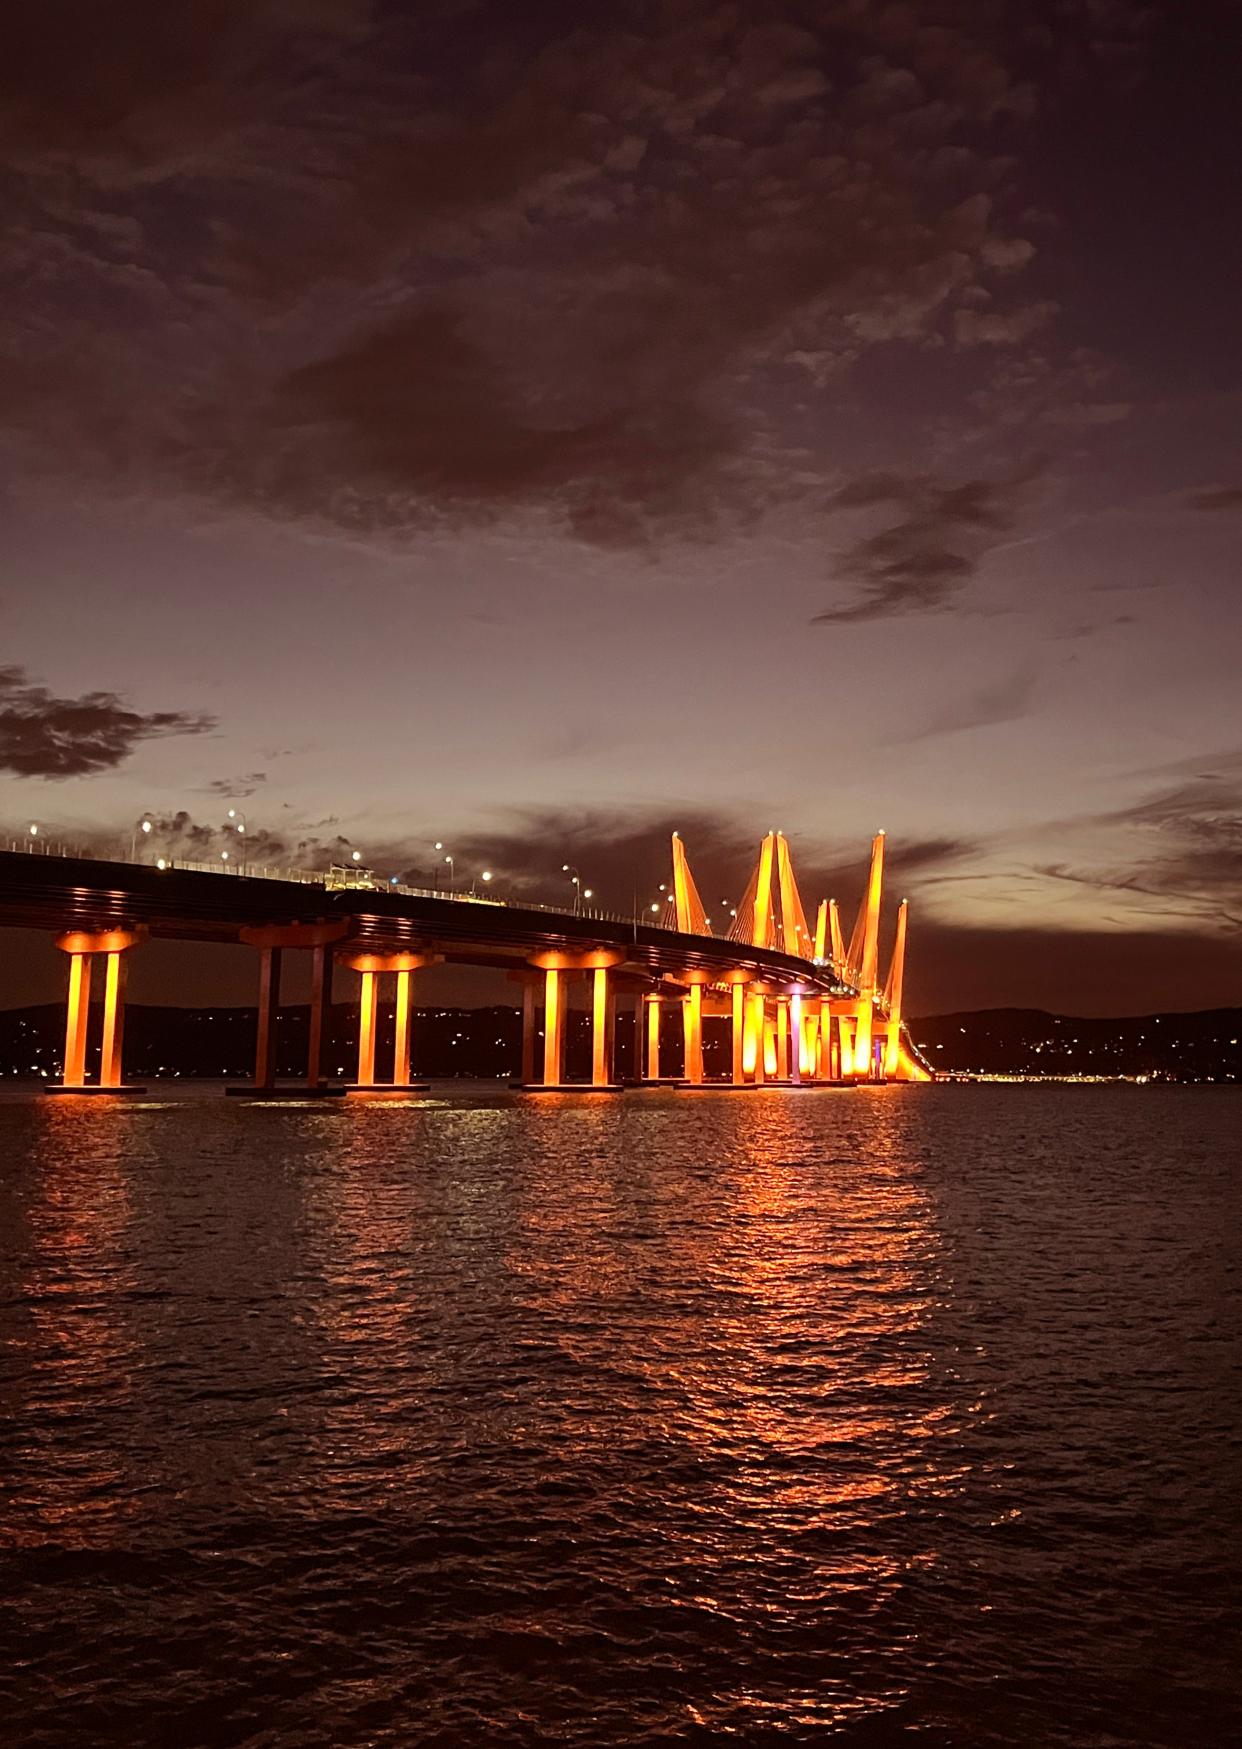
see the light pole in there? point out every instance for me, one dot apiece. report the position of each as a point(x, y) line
point(34, 833)
point(143, 826)
point(576, 882)
point(239, 821)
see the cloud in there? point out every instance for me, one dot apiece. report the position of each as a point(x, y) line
point(547, 267)
point(1219, 498)
point(988, 327)
point(933, 543)
point(237, 788)
point(45, 736)
point(1182, 850)
point(1000, 701)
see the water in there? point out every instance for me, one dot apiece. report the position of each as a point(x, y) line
point(866, 1416)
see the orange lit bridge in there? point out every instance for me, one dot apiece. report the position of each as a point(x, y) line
point(804, 1006)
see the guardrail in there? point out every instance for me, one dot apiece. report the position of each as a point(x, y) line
point(324, 878)
point(240, 869)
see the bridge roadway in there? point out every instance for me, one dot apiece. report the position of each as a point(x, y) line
point(71, 893)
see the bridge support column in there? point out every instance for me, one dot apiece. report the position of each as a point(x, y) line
point(692, 1033)
point(529, 1031)
point(82, 946)
point(77, 1019)
point(371, 967)
point(557, 965)
point(782, 1038)
point(553, 1028)
point(601, 1029)
point(738, 1030)
point(845, 1047)
point(114, 1021)
point(797, 1038)
point(368, 1013)
point(753, 1038)
point(320, 1017)
point(271, 939)
point(269, 1005)
point(401, 1024)
point(653, 1038)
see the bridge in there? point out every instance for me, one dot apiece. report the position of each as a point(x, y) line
point(805, 1007)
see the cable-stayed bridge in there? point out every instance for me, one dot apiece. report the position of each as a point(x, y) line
point(804, 1007)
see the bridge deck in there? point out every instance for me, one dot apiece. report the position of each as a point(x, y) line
point(58, 893)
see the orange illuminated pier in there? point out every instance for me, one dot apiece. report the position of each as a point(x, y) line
point(805, 1009)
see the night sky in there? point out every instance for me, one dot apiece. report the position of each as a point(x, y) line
point(537, 426)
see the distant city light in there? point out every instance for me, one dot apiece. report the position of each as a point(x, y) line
point(146, 825)
point(34, 830)
point(160, 862)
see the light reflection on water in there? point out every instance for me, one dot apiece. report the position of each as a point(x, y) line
point(482, 1419)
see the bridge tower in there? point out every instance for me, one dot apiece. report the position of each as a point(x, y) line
point(892, 995)
point(864, 956)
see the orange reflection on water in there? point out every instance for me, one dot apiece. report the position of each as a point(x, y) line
point(72, 1353)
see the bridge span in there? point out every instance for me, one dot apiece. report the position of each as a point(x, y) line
point(803, 1009)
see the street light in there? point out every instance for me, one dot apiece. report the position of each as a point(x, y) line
point(487, 874)
point(576, 882)
point(452, 868)
point(236, 815)
point(356, 856)
point(143, 825)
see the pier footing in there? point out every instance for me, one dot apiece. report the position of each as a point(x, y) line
point(94, 1092)
point(389, 1088)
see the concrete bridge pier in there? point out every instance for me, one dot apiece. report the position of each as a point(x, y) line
point(556, 966)
point(371, 967)
point(272, 940)
point(82, 947)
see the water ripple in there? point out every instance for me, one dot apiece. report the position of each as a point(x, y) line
point(478, 1420)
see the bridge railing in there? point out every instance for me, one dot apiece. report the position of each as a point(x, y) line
point(238, 867)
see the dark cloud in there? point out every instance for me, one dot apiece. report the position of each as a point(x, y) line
point(349, 264)
point(424, 415)
point(1184, 852)
point(237, 788)
point(1003, 700)
point(45, 736)
point(934, 540)
point(1220, 498)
